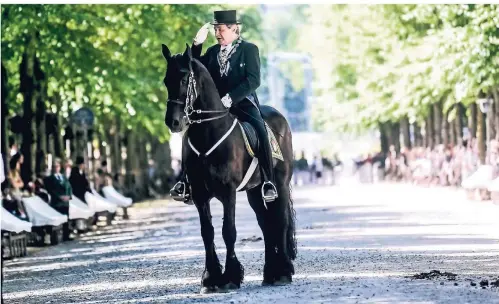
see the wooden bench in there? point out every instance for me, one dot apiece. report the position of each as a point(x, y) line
point(14, 244)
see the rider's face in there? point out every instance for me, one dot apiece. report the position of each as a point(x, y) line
point(225, 34)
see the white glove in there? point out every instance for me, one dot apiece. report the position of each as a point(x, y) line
point(227, 101)
point(202, 34)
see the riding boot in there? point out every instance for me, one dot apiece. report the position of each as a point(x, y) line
point(182, 190)
point(269, 191)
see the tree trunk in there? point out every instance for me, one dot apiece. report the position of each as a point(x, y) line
point(452, 131)
point(406, 132)
point(5, 114)
point(89, 147)
point(162, 158)
point(102, 148)
point(425, 134)
point(132, 164)
point(142, 162)
point(480, 133)
point(437, 123)
point(116, 147)
point(383, 137)
point(41, 142)
point(109, 149)
point(492, 118)
point(430, 129)
point(418, 137)
point(58, 144)
point(446, 132)
point(50, 148)
point(79, 145)
point(473, 120)
point(489, 129)
point(395, 136)
point(459, 122)
point(28, 89)
point(496, 115)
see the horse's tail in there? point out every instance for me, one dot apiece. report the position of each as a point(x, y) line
point(291, 233)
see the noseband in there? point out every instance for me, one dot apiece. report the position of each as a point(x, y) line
point(189, 110)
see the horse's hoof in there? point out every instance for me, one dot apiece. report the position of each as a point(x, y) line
point(207, 290)
point(230, 286)
point(267, 283)
point(283, 281)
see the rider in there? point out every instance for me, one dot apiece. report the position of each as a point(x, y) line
point(234, 65)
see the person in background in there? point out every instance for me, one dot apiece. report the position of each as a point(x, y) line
point(67, 167)
point(15, 179)
point(104, 177)
point(302, 166)
point(78, 179)
point(318, 168)
point(12, 188)
point(60, 192)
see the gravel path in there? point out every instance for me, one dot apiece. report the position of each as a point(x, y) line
point(357, 244)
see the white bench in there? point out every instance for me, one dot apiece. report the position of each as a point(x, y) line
point(45, 220)
point(477, 184)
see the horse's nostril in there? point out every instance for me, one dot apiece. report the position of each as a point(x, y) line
point(176, 123)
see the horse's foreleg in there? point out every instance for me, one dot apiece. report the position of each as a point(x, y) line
point(212, 274)
point(234, 271)
point(262, 216)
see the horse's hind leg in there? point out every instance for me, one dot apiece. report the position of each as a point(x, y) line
point(234, 271)
point(262, 216)
point(284, 232)
point(212, 274)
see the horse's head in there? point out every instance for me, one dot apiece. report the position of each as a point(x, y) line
point(182, 88)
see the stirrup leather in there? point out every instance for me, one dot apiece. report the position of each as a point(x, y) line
point(269, 198)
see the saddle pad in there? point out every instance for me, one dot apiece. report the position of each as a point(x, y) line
point(251, 140)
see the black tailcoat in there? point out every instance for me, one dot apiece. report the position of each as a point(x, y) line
point(243, 77)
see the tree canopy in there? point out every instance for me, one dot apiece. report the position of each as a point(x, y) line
point(106, 57)
point(383, 62)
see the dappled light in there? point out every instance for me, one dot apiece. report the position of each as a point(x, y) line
point(370, 246)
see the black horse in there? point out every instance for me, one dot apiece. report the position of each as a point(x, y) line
point(216, 160)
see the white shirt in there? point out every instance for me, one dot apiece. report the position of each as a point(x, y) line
point(319, 166)
point(228, 47)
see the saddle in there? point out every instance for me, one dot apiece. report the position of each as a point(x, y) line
point(252, 144)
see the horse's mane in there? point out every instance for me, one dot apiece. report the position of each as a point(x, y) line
point(203, 74)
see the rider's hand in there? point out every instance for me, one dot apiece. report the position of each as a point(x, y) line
point(227, 101)
point(202, 34)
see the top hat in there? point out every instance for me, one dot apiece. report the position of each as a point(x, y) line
point(79, 160)
point(225, 17)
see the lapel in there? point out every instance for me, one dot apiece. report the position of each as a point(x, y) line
point(232, 61)
point(61, 180)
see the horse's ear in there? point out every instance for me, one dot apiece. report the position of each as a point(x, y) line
point(188, 51)
point(166, 52)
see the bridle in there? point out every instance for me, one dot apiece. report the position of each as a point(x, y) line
point(192, 95)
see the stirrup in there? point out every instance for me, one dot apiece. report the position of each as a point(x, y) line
point(268, 199)
point(182, 197)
